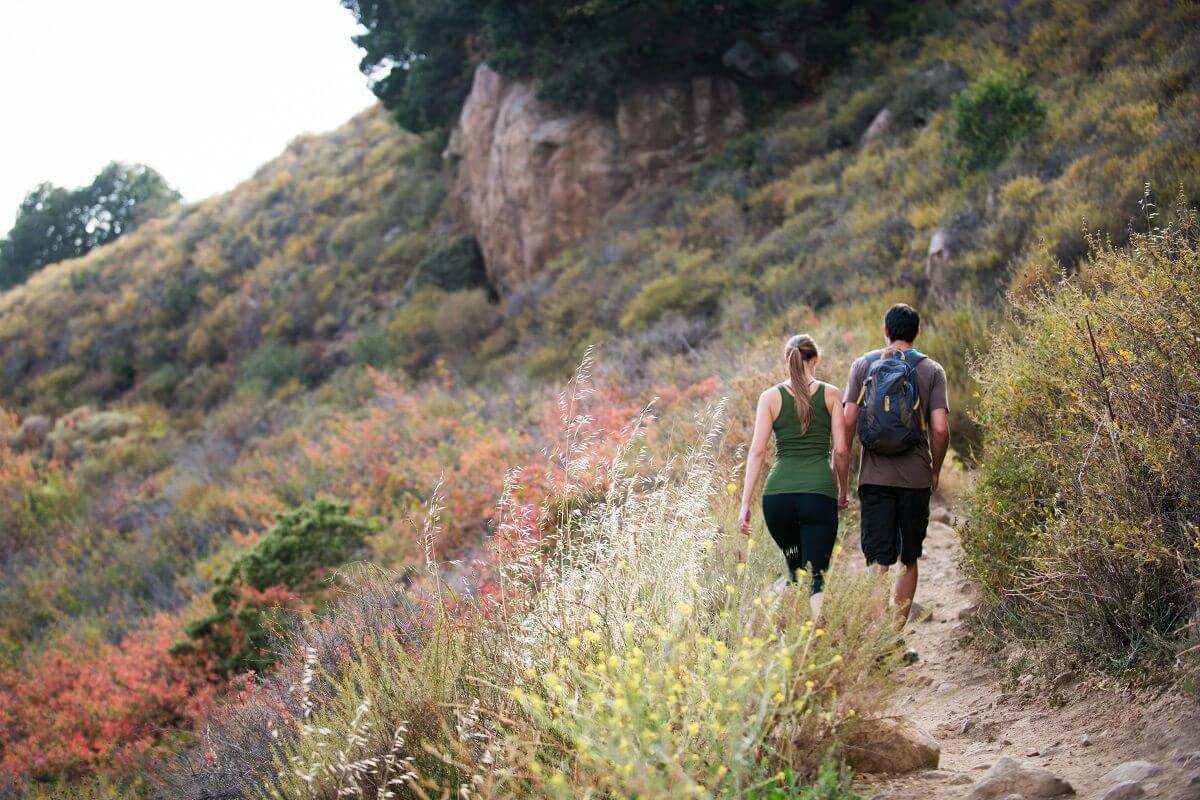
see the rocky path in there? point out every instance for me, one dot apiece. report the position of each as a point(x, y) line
point(1105, 743)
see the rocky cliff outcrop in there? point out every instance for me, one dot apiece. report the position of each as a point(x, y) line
point(531, 179)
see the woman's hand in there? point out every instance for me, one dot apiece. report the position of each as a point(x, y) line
point(744, 520)
point(843, 500)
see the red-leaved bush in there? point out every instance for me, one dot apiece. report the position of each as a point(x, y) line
point(80, 707)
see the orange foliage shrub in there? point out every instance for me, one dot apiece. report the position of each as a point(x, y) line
point(80, 707)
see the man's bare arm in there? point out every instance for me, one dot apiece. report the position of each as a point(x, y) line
point(850, 419)
point(939, 441)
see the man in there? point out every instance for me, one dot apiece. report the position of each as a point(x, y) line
point(896, 403)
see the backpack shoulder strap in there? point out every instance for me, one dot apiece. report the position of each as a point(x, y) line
point(868, 360)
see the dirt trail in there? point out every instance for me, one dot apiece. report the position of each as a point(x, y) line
point(1078, 732)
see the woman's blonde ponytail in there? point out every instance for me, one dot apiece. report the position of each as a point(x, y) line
point(799, 350)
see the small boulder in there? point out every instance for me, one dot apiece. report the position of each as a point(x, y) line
point(746, 59)
point(1130, 771)
point(879, 126)
point(940, 514)
point(1126, 790)
point(32, 433)
point(947, 776)
point(967, 612)
point(892, 746)
point(920, 613)
point(1009, 776)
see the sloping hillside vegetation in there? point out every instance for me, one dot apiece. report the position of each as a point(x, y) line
point(319, 350)
point(275, 282)
point(1083, 524)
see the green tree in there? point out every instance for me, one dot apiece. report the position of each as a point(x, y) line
point(417, 54)
point(54, 223)
point(995, 112)
point(284, 566)
point(582, 53)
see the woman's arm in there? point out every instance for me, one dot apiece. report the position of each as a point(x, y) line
point(763, 421)
point(841, 444)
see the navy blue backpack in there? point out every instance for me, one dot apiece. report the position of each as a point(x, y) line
point(890, 418)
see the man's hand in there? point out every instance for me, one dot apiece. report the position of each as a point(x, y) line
point(744, 520)
point(933, 482)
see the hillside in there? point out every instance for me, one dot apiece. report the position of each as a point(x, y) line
point(272, 282)
point(324, 355)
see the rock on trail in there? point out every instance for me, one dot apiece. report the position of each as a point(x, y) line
point(1009, 776)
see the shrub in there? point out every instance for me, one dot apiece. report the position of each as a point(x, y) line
point(694, 287)
point(281, 572)
point(85, 706)
point(995, 112)
point(458, 265)
point(272, 365)
point(373, 347)
point(1082, 527)
point(35, 498)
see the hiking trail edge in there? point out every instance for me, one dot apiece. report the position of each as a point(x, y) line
point(1079, 731)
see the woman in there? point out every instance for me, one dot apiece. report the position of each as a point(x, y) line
point(803, 494)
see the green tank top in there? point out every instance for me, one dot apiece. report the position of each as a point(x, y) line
point(802, 457)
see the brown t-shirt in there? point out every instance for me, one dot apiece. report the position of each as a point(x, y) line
point(912, 469)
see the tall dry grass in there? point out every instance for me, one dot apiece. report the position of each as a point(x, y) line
point(633, 645)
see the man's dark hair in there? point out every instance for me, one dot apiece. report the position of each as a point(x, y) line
point(902, 322)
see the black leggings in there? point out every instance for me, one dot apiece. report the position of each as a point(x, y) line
point(805, 528)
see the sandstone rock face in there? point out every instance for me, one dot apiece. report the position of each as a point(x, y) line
point(891, 746)
point(531, 179)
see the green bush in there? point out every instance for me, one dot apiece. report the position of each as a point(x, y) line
point(280, 572)
point(693, 288)
point(458, 265)
point(1082, 529)
point(272, 365)
point(831, 782)
point(161, 383)
point(995, 112)
point(373, 347)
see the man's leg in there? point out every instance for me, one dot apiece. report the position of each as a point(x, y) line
point(905, 590)
point(878, 519)
point(913, 516)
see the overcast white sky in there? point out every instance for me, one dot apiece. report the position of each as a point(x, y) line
point(204, 92)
